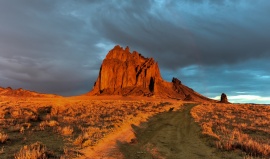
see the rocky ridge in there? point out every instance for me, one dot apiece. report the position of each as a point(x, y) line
point(22, 93)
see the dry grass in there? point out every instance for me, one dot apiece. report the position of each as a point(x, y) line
point(66, 131)
point(80, 122)
point(33, 151)
point(241, 127)
point(99, 118)
point(2, 150)
point(51, 123)
point(3, 137)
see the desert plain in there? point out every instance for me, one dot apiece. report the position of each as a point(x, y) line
point(131, 127)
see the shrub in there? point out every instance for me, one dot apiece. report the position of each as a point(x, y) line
point(66, 131)
point(33, 151)
point(51, 123)
point(3, 137)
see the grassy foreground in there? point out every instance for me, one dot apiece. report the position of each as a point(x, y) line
point(243, 128)
point(61, 127)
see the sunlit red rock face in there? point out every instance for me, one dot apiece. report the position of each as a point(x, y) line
point(21, 93)
point(125, 73)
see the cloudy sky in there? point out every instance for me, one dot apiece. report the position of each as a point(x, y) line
point(212, 46)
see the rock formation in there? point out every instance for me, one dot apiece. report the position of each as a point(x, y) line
point(223, 98)
point(125, 73)
point(22, 93)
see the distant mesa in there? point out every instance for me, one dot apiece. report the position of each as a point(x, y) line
point(131, 74)
point(223, 98)
point(22, 93)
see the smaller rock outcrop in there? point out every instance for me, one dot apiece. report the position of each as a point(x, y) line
point(176, 81)
point(223, 98)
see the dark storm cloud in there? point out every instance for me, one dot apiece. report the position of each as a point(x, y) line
point(205, 32)
point(211, 45)
point(44, 47)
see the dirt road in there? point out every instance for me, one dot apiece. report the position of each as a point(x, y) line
point(170, 135)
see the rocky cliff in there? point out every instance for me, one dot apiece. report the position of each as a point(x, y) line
point(125, 73)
